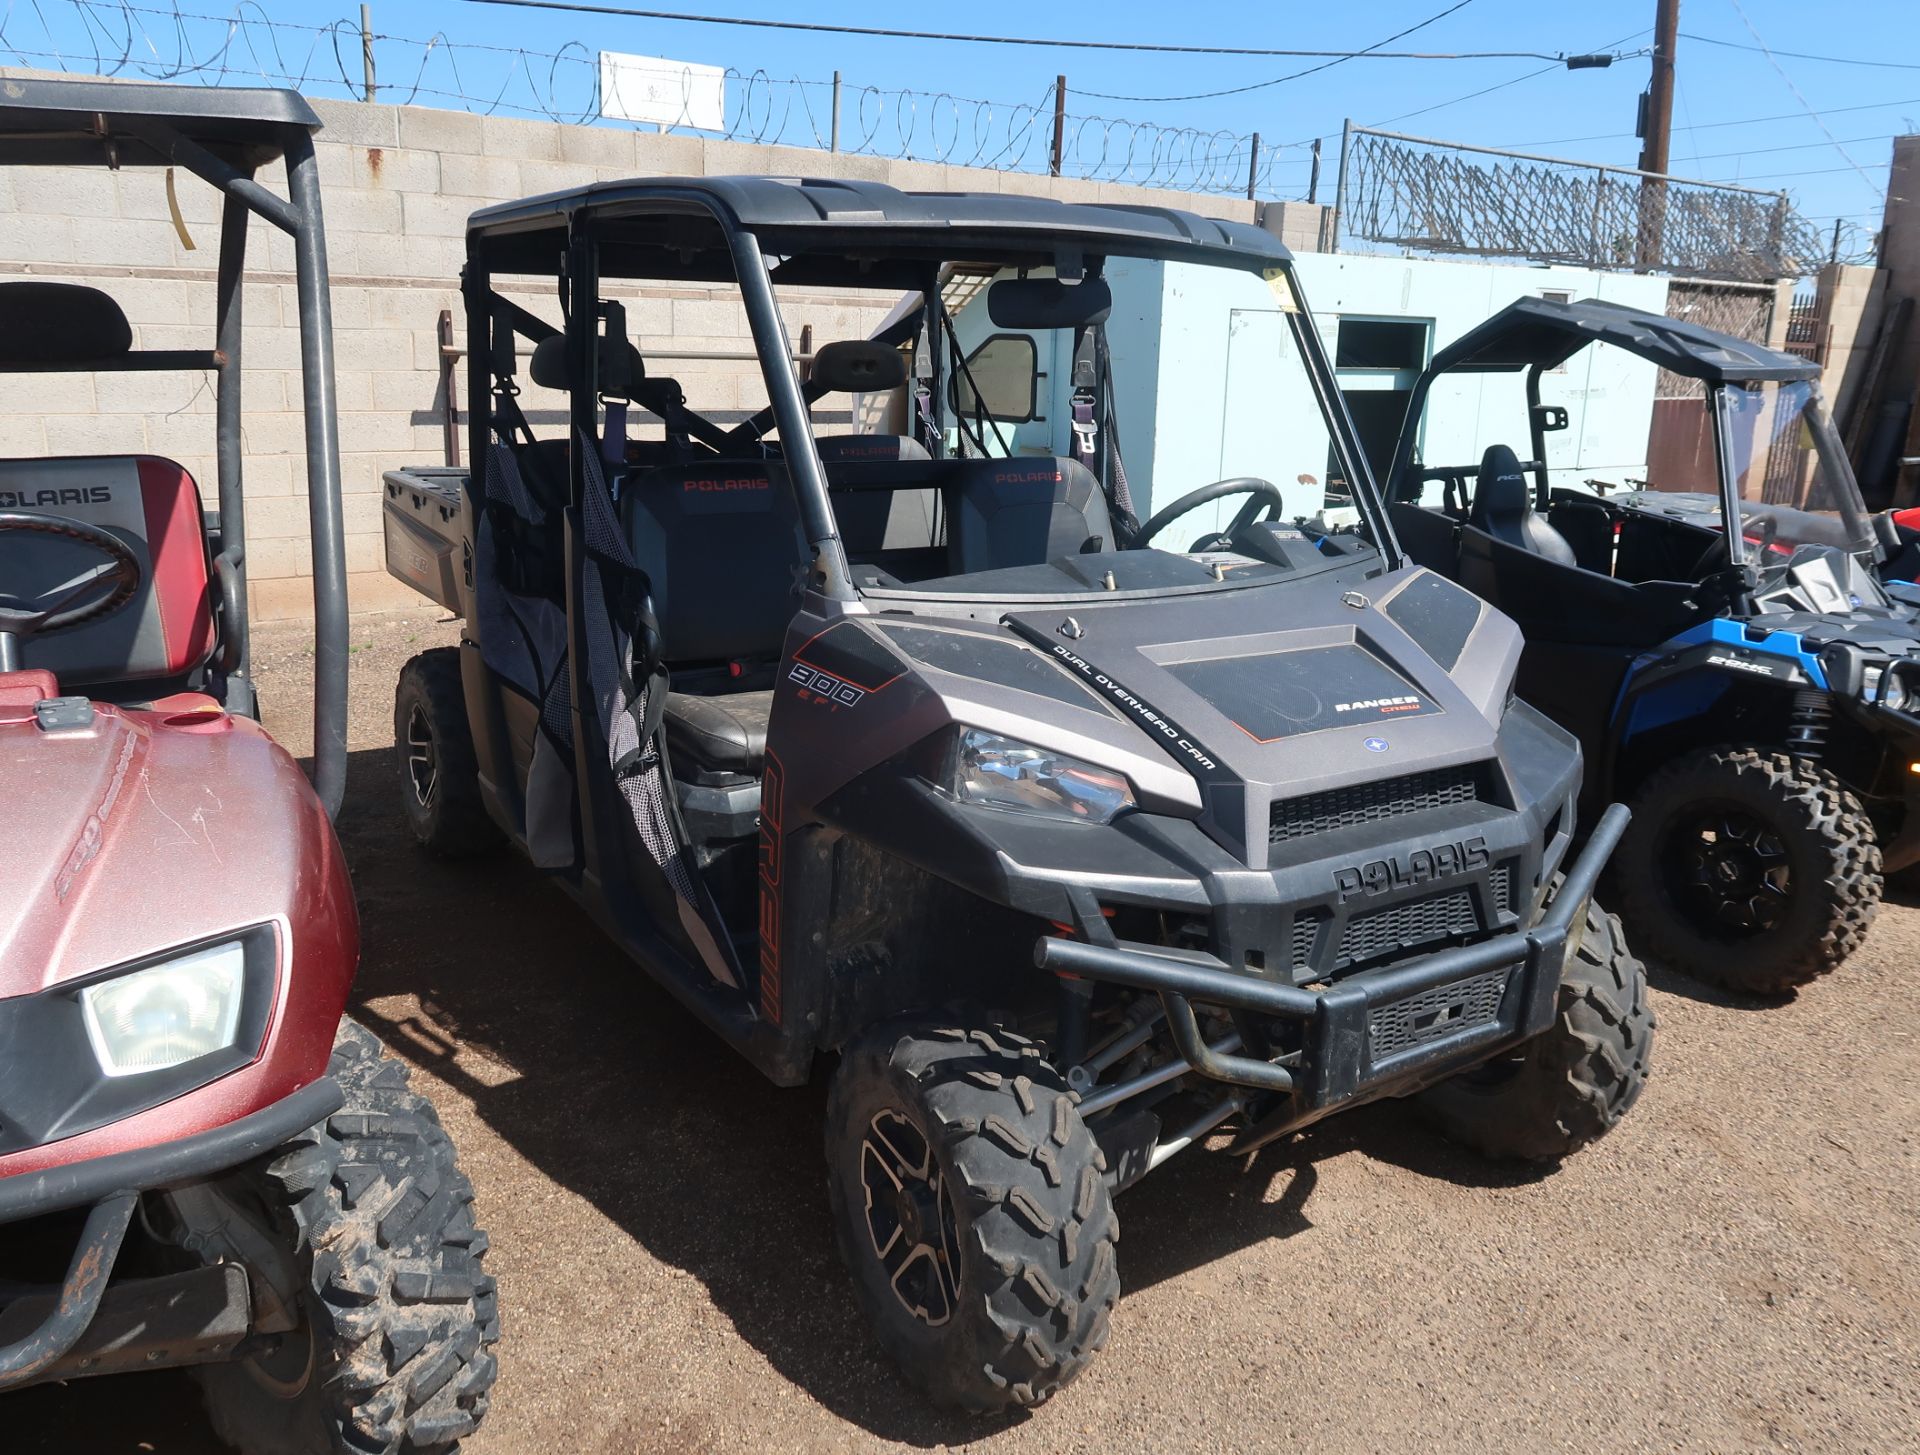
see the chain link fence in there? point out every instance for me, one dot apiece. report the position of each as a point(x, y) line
point(1443, 197)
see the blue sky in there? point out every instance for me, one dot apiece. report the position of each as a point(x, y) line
point(1531, 104)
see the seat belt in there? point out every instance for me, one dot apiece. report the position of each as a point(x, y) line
point(924, 423)
point(1083, 415)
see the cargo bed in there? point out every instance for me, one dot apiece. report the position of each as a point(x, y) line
point(428, 543)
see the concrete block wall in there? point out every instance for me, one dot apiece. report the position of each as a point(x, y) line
point(399, 184)
point(1848, 303)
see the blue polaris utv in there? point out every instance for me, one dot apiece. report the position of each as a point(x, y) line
point(1753, 694)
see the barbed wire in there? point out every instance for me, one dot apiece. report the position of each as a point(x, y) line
point(166, 40)
point(1443, 198)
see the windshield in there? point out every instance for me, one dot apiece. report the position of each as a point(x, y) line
point(1177, 440)
point(1784, 466)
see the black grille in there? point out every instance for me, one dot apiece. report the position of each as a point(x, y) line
point(1406, 925)
point(1339, 808)
point(1434, 1015)
point(1306, 932)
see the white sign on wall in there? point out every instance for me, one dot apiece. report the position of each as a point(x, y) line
point(666, 93)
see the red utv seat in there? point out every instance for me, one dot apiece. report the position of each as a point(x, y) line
point(166, 633)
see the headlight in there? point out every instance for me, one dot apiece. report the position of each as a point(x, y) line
point(998, 772)
point(1891, 692)
point(167, 1014)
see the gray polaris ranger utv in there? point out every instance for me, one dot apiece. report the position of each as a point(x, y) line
point(907, 751)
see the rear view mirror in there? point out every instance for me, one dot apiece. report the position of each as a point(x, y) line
point(1033, 304)
point(1550, 417)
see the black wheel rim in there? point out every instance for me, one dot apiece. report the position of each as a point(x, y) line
point(1727, 871)
point(909, 1218)
point(423, 764)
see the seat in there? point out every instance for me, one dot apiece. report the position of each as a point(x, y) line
point(166, 633)
point(1503, 508)
point(725, 558)
point(725, 735)
point(1023, 512)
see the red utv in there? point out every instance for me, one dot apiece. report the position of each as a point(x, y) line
point(201, 1163)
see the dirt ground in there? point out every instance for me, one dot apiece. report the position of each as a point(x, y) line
point(1736, 1269)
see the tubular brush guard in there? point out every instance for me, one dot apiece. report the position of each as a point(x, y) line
point(1376, 1031)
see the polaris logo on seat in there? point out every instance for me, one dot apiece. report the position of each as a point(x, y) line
point(1422, 866)
point(73, 495)
point(1378, 704)
point(826, 686)
point(728, 485)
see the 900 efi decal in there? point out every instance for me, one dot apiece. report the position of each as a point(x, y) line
point(841, 667)
point(826, 686)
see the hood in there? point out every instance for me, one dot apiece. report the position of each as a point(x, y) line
point(139, 831)
point(1263, 694)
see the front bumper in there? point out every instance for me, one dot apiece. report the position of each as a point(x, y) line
point(87, 1327)
point(1371, 1034)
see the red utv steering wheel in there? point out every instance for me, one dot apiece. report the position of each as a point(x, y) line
point(1194, 499)
point(86, 597)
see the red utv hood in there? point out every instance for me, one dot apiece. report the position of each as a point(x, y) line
point(147, 830)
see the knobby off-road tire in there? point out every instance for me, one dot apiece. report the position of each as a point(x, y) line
point(396, 1350)
point(1571, 1084)
point(1805, 831)
point(1018, 1278)
point(439, 775)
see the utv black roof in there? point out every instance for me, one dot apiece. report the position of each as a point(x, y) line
point(1539, 331)
point(60, 123)
point(823, 215)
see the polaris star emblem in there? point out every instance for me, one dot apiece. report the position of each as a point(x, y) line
point(1377, 745)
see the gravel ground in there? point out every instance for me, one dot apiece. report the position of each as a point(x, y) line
point(1737, 1268)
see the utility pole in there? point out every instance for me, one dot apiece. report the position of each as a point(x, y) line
point(366, 50)
point(1658, 133)
point(1059, 125)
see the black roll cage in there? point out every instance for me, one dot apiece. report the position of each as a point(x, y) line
point(558, 236)
point(1538, 334)
point(223, 136)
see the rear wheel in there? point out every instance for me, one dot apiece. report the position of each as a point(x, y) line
point(439, 775)
point(1572, 1083)
point(970, 1207)
point(1753, 870)
point(392, 1350)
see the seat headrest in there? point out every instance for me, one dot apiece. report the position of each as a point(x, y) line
point(548, 366)
point(1501, 488)
point(858, 366)
point(60, 323)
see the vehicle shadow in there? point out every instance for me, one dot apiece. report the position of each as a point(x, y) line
point(623, 1098)
point(607, 1087)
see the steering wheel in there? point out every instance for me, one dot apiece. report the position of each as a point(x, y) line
point(86, 597)
point(1718, 552)
point(1236, 485)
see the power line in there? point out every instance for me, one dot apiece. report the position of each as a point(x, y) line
point(1781, 72)
point(1801, 55)
point(1711, 125)
point(1296, 75)
point(1086, 45)
point(1776, 176)
point(1796, 147)
point(1497, 86)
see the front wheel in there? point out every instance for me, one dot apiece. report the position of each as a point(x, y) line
point(1753, 870)
point(1572, 1083)
point(969, 1204)
point(395, 1322)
